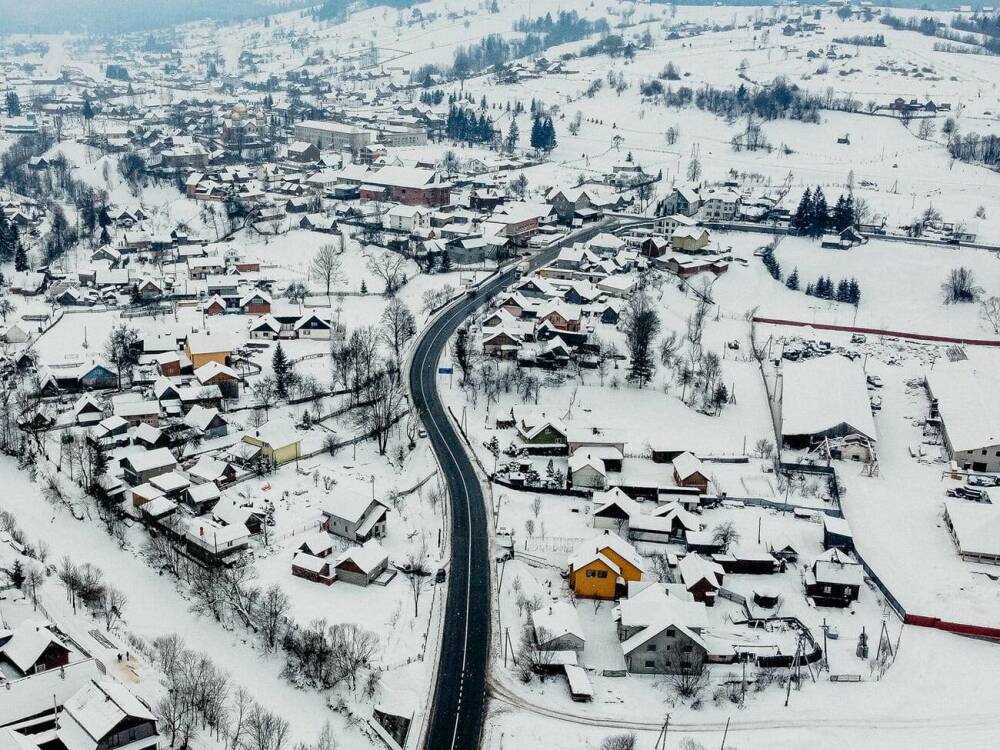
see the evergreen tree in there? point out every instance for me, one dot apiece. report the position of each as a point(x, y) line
point(793, 280)
point(20, 258)
point(843, 291)
point(536, 129)
point(445, 261)
point(88, 110)
point(810, 289)
point(105, 238)
point(282, 368)
point(820, 213)
point(548, 135)
point(802, 218)
point(513, 134)
point(843, 213)
point(854, 292)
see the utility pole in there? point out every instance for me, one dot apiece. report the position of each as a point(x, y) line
point(661, 738)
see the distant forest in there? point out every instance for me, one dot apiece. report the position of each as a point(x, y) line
point(124, 16)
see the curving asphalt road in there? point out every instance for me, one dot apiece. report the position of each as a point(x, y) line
point(459, 698)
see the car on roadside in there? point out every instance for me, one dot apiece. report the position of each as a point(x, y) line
point(874, 381)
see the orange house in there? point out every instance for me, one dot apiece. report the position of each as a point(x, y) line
point(602, 566)
point(202, 348)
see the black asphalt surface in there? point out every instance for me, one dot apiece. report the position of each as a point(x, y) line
point(459, 700)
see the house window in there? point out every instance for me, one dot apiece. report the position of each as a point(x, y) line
point(827, 589)
point(671, 632)
point(849, 590)
point(688, 649)
point(591, 573)
point(651, 647)
point(602, 574)
point(650, 664)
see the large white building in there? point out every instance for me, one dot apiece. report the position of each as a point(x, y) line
point(333, 135)
point(969, 410)
point(824, 397)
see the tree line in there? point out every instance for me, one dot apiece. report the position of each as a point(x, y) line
point(813, 217)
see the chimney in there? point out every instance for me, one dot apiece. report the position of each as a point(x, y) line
point(201, 531)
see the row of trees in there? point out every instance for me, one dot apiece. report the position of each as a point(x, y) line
point(814, 217)
point(463, 125)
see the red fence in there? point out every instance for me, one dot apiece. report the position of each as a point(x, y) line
point(877, 332)
point(976, 631)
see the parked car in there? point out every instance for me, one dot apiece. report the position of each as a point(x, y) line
point(874, 381)
point(858, 339)
point(876, 402)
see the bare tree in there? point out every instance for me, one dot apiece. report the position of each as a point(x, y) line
point(989, 311)
point(416, 569)
point(960, 286)
point(398, 326)
point(265, 730)
point(726, 535)
point(383, 400)
point(620, 742)
point(353, 648)
point(686, 669)
point(388, 267)
point(270, 614)
point(111, 606)
point(326, 265)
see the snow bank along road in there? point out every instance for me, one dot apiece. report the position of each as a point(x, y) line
point(459, 696)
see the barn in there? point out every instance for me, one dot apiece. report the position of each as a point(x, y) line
point(824, 397)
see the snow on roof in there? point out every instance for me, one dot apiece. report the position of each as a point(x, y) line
point(823, 393)
point(351, 506)
point(828, 571)
point(976, 526)
point(316, 542)
point(405, 177)
point(694, 567)
point(687, 465)
point(579, 683)
point(153, 459)
point(29, 641)
point(615, 497)
point(312, 563)
point(208, 468)
point(836, 525)
point(170, 482)
point(555, 621)
point(277, 433)
point(203, 343)
point(200, 417)
point(593, 548)
point(655, 602)
point(212, 368)
point(203, 493)
point(968, 403)
point(35, 694)
point(368, 557)
point(147, 433)
point(95, 710)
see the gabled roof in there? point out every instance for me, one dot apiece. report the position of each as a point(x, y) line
point(28, 643)
point(154, 459)
point(95, 711)
point(687, 465)
point(556, 621)
point(595, 547)
point(694, 568)
point(277, 433)
point(368, 557)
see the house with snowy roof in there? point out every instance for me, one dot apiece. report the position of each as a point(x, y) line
point(601, 567)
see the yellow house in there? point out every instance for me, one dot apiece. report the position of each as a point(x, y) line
point(278, 441)
point(202, 348)
point(602, 564)
point(689, 239)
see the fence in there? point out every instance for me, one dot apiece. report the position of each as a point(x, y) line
point(958, 628)
point(878, 332)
